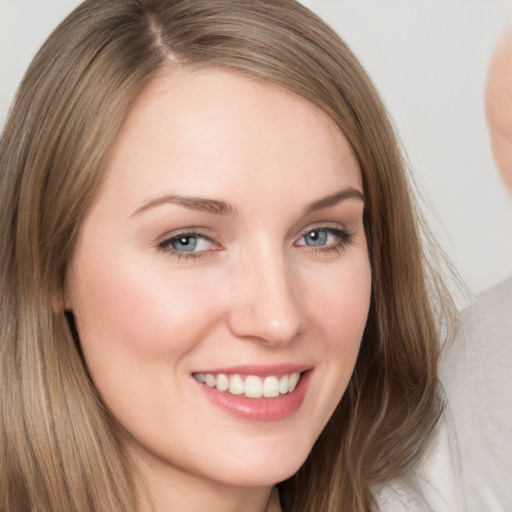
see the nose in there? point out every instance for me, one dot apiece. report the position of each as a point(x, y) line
point(264, 302)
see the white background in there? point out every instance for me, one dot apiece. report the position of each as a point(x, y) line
point(429, 60)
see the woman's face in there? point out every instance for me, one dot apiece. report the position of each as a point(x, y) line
point(223, 258)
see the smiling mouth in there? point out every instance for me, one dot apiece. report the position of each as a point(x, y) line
point(252, 386)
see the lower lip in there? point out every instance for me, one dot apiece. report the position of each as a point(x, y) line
point(259, 409)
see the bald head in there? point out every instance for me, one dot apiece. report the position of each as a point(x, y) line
point(499, 106)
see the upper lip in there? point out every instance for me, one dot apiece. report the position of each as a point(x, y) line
point(259, 370)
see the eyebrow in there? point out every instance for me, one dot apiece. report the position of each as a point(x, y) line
point(217, 207)
point(334, 199)
point(194, 203)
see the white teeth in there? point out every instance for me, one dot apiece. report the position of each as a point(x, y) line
point(222, 382)
point(236, 385)
point(292, 381)
point(271, 387)
point(252, 386)
point(283, 385)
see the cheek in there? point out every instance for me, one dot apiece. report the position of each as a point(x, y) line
point(339, 307)
point(342, 305)
point(342, 312)
point(131, 312)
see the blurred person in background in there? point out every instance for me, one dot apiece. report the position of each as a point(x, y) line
point(476, 370)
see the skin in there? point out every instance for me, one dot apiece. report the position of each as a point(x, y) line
point(149, 317)
point(499, 106)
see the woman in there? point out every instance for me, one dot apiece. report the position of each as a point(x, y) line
point(212, 280)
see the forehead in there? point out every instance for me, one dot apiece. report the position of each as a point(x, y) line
point(190, 131)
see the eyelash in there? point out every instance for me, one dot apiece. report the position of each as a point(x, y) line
point(166, 245)
point(344, 238)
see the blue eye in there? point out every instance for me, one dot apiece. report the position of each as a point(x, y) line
point(325, 239)
point(187, 244)
point(317, 237)
point(184, 243)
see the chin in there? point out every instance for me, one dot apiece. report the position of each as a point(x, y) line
point(262, 468)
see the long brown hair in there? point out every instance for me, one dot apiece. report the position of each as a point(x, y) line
point(58, 451)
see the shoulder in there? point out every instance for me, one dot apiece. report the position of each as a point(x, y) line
point(476, 372)
point(477, 363)
point(490, 315)
point(483, 340)
point(435, 485)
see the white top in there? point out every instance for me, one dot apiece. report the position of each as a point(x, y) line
point(476, 372)
point(436, 484)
